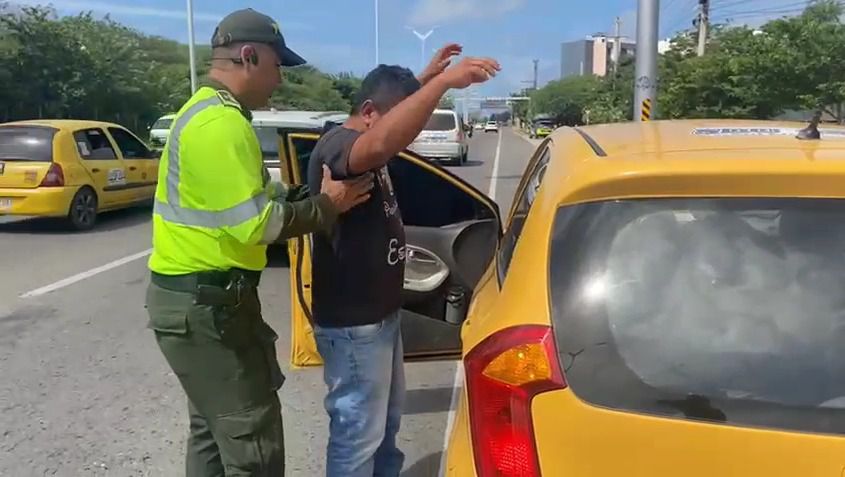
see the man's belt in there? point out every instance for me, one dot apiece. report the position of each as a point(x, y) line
point(191, 282)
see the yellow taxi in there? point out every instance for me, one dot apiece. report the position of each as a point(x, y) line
point(667, 300)
point(664, 299)
point(73, 169)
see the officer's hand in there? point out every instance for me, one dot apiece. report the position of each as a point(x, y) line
point(348, 193)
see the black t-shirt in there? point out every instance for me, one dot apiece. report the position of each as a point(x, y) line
point(358, 270)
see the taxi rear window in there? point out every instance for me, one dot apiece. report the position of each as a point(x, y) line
point(721, 310)
point(26, 143)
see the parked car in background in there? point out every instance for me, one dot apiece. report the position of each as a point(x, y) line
point(73, 169)
point(443, 138)
point(160, 130)
point(491, 126)
point(271, 126)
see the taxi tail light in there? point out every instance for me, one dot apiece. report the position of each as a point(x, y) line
point(55, 177)
point(504, 372)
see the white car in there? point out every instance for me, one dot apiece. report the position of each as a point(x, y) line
point(160, 130)
point(443, 138)
point(267, 125)
point(491, 126)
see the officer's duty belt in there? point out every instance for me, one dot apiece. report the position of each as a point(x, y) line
point(189, 283)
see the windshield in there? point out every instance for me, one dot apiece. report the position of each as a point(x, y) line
point(163, 123)
point(441, 122)
point(725, 310)
point(25, 143)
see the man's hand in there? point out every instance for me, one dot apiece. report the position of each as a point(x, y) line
point(348, 193)
point(442, 59)
point(470, 71)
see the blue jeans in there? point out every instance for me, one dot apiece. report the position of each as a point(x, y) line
point(363, 370)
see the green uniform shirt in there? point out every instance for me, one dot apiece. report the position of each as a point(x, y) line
point(215, 208)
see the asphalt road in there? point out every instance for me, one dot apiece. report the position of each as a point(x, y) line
point(84, 390)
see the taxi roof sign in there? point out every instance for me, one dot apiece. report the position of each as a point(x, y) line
point(762, 131)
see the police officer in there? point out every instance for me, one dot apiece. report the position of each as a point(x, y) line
point(215, 212)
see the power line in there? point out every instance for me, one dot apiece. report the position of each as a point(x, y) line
point(685, 13)
point(802, 4)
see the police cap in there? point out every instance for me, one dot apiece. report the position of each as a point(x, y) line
point(247, 25)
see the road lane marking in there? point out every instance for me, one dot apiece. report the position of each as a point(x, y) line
point(494, 177)
point(458, 382)
point(85, 275)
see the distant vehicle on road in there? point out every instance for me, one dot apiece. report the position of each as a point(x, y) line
point(479, 126)
point(541, 128)
point(73, 169)
point(491, 126)
point(160, 130)
point(691, 292)
point(443, 138)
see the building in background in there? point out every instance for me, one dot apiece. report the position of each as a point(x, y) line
point(592, 55)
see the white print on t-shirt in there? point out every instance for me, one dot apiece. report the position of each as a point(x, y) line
point(395, 254)
point(389, 204)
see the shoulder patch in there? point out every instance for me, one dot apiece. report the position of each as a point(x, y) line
point(227, 98)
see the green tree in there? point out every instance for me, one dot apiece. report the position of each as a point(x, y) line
point(95, 68)
point(566, 99)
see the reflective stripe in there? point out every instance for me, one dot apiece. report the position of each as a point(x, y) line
point(172, 179)
point(231, 217)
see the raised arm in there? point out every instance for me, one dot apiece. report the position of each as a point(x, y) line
point(402, 124)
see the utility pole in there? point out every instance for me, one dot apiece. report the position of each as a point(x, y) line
point(191, 54)
point(703, 24)
point(645, 87)
point(536, 63)
point(617, 45)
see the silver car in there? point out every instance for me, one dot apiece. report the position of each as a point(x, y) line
point(443, 138)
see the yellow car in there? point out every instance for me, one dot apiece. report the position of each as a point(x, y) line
point(665, 299)
point(542, 129)
point(73, 169)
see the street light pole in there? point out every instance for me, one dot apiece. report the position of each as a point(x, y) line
point(378, 62)
point(645, 87)
point(191, 55)
point(422, 37)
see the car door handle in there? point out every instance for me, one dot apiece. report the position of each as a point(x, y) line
point(133, 168)
point(95, 170)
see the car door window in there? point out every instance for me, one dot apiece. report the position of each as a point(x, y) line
point(92, 144)
point(425, 199)
point(129, 146)
point(522, 205)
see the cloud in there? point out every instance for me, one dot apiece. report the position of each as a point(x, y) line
point(136, 11)
point(431, 12)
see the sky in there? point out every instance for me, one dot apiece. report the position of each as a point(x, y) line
point(339, 35)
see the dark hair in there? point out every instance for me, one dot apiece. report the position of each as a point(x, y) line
point(386, 86)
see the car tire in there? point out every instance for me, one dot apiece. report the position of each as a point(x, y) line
point(82, 213)
point(465, 157)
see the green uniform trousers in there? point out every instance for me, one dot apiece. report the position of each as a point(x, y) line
point(231, 382)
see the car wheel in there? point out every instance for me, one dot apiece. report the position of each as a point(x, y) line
point(465, 157)
point(82, 214)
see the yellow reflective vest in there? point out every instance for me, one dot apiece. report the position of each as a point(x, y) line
point(215, 208)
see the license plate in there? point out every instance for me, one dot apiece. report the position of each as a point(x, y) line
point(5, 204)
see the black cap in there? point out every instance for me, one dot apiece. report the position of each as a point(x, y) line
point(247, 25)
